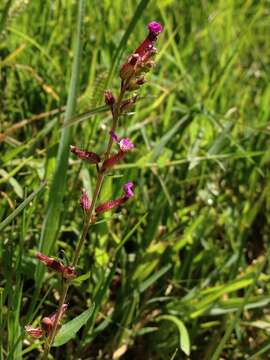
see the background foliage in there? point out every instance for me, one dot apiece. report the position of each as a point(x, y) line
point(182, 271)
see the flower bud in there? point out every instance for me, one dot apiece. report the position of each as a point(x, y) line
point(155, 28)
point(111, 204)
point(34, 332)
point(68, 272)
point(109, 98)
point(85, 155)
point(114, 159)
point(84, 201)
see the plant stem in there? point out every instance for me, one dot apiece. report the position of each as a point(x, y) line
point(87, 223)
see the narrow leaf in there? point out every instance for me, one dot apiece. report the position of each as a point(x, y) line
point(70, 329)
point(184, 341)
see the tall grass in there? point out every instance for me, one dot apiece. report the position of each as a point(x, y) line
point(183, 271)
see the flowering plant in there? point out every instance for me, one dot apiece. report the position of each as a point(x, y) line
point(132, 77)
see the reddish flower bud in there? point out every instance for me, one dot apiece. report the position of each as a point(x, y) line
point(85, 155)
point(68, 272)
point(34, 332)
point(154, 30)
point(48, 322)
point(109, 98)
point(111, 204)
point(47, 325)
point(84, 201)
point(114, 159)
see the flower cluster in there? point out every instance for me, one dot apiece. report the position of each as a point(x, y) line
point(141, 61)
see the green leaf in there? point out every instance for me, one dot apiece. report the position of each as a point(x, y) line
point(70, 329)
point(184, 341)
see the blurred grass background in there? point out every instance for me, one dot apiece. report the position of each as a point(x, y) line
point(182, 271)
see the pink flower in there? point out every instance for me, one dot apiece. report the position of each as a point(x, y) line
point(155, 28)
point(111, 204)
point(68, 272)
point(125, 144)
point(34, 332)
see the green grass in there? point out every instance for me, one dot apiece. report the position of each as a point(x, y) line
point(183, 268)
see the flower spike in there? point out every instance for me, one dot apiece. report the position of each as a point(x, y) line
point(154, 30)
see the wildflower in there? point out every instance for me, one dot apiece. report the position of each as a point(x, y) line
point(146, 46)
point(84, 201)
point(85, 155)
point(34, 332)
point(128, 189)
point(141, 60)
point(68, 272)
point(48, 322)
point(111, 204)
point(125, 145)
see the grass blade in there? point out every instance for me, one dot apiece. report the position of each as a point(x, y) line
point(20, 208)
point(52, 219)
